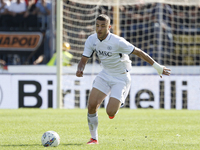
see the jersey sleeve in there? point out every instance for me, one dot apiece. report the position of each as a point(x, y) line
point(88, 50)
point(125, 47)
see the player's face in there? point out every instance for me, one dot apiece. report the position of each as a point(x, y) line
point(102, 29)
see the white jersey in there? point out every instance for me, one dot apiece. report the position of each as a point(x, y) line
point(113, 52)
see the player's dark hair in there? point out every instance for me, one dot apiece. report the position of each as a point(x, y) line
point(103, 17)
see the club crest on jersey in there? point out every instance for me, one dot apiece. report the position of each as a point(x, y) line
point(109, 48)
point(104, 53)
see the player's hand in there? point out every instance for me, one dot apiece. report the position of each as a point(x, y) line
point(79, 73)
point(166, 71)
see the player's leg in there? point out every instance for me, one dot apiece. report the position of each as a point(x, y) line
point(95, 100)
point(97, 95)
point(112, 107)
point(116, 98)
point(119, 92)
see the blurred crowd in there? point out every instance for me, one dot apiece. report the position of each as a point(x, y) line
point(153, 26)
point(169, 33)
point(23, 13)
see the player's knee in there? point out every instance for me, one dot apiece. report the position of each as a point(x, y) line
point(111, 112)
point(92, 108)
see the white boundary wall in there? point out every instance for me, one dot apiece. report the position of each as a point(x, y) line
point(34, 88)
point(96, 68)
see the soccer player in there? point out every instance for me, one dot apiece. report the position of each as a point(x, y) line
point(114, 79)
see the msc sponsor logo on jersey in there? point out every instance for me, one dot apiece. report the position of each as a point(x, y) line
point(104, 53)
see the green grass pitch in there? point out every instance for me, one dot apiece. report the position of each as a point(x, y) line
point(141, 129)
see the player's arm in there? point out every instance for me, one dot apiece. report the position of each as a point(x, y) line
point(160, 69)
point(81, 66)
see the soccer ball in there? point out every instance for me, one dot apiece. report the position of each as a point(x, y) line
point(50, 139)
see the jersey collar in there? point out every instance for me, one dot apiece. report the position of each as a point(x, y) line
point(107, 38)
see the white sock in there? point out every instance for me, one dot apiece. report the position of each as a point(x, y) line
point(93, 124)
